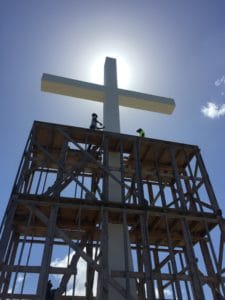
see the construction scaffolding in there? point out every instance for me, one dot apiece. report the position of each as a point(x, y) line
point(56, 223)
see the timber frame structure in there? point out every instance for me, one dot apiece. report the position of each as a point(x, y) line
point(59, 204)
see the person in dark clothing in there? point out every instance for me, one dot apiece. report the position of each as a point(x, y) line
point(93, 126)
point(49, 294)
point(94, 122)
point(141, 132)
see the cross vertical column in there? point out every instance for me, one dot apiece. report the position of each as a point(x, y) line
point(112, 123)
point(111, 104)
point(117, 252)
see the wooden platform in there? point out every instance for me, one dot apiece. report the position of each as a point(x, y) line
point(50, 137)
point(89, 213)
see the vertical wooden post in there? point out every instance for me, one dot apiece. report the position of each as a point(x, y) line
point(157, 170)
point(173, 260)
point(146, 257)
point(177, 178)
point(47, 253)
point(6, 276)
point(172, 282)
point(138, 171)
point(159, 278)
point(191, 259)
point(210, 270)
point(207, 182)
point(186, 283)
point(21, 178)
point(7, 230)
point(90, 271)
point(102, 288)
point(141, 281)
point(126, 255)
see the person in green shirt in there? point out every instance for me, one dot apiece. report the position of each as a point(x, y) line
point(141, 132)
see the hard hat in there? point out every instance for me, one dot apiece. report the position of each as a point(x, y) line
point(138, 130)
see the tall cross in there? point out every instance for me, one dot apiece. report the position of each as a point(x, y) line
point(112, 97)
point(108, 93)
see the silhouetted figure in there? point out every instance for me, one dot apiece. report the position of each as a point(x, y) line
point(93, 126)
point(49, 293)
point(94, 122)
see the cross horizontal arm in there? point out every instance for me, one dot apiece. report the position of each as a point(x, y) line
point(146, 101)
point(80, 89)
point(73, 88)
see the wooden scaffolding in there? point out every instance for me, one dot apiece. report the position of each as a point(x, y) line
point(56, 221)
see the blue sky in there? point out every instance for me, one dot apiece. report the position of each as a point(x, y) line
point(171, 48)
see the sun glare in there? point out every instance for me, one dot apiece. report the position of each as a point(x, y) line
point(123, 70)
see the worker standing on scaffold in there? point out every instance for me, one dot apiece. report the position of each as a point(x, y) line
point(93, 126)
point(94, 122)
point(140, 132)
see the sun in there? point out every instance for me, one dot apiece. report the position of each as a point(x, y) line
point(123, 70)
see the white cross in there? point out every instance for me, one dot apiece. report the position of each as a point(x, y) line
point(108, 93)
point(112, 97)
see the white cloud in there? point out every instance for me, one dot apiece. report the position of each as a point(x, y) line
point(220, 81)
point(62, 262)
point(212, 110)
point(167, 293)
point(20, 278)
point(80, 278)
